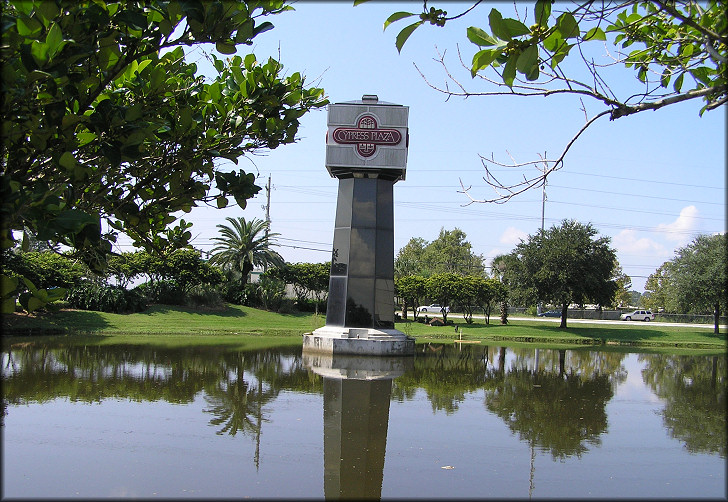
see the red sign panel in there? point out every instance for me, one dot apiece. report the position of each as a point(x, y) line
point(366, 136)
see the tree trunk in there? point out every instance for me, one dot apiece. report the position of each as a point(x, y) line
point(504, 312)
point(564, 313)
point(247, 269)
point(716, 317)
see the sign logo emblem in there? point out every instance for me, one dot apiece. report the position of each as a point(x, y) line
point(366, 136)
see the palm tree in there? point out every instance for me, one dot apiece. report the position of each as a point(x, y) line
point(244, 245)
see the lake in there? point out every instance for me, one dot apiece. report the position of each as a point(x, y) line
point(84, 419)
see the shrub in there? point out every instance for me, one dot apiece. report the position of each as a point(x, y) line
point(45, 269)
point(104, 298)
point(164, 292)
point(287, 306)
point(204, 296)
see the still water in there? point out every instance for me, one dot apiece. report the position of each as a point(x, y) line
point(86, 420)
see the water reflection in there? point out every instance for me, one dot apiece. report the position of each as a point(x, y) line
point(695, 398)
point(555, 402)
point(357, 393)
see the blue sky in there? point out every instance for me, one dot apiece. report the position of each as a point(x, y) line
point(652, 182)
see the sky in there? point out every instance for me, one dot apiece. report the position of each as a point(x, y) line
point(651, 182)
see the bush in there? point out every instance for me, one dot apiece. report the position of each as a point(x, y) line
point(232, 293)
point(309, 305)
point(204, 296)
point(104, 298)
point(45, 269)
point(163, 292)
point(287, 306)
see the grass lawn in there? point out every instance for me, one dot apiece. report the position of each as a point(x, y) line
point(243, 325)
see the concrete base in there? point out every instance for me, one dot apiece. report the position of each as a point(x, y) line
point(348, 367)
point(337, 340)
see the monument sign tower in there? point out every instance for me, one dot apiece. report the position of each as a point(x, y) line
point(366, 150)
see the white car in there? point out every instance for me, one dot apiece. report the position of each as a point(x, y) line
point(638, 315)
point(435, 307)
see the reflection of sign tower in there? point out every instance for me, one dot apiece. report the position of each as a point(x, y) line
point(366, 150)
point(357, 393)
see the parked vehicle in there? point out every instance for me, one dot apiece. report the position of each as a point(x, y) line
point(550, 313)
point(435, 307)
point(638, 315)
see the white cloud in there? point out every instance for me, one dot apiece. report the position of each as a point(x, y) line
point(512, 236)
point(682, 229)
point(627, 242)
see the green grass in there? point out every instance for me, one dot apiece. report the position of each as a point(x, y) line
point(546, 333)
point(236, 325)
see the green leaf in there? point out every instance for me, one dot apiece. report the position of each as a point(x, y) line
point(542, 12)
point(28, 27)
point(405, 34)
point(54, 38)
point(396, 17)
point(483, 59)
point(665, 77)
point(495, 21)
point(515, 27)
point(39, 51)
point(8, 284)
point(480, 37)
point(221, 202)
point(701, 74)
point(527, 59)
point(359, 2)
point(509, 72)
point(67, 160)
point(677, 85)
point(561, 53)
point(108, 56)
point(34, 304)
point(8, 306)
point(595, 33)
point(262, 27)
point(567, 25)
point(29, 284)
point(553, 41)
point(225, 48)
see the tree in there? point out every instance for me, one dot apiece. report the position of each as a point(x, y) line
point(623, 296)
point(676, 50)
point(244, 245)
point(309, 280)
point(494, 293)
point(409, 258)
point(698, 274)
point(104, 120)
point(187, 268)
point(658, 291)
point(449, 252)
point(502, 267)
point(412, 289)
point(443, 288)
point(564, 265)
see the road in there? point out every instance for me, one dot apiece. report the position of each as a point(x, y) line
point(588, 321)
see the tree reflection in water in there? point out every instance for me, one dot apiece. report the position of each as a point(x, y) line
point(554, 400)
point(559, 404)
point(695, 398)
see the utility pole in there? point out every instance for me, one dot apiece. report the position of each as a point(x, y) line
point(267, 208)
point(543, 211)
point(543, 194)
point(267, 216)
